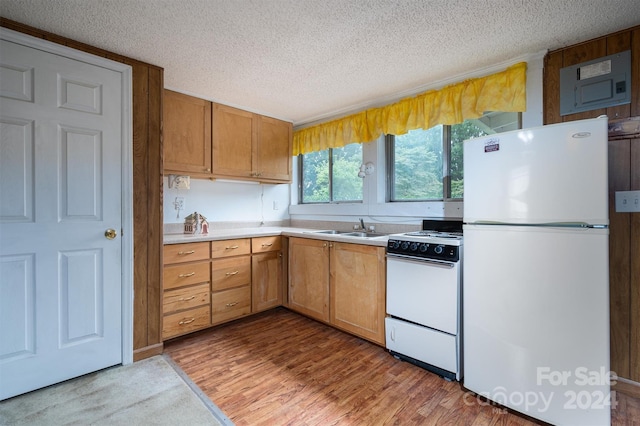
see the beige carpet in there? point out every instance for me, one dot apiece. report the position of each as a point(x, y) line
point(149, 392)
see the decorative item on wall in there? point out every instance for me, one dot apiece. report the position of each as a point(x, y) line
point(366, 170)
point(195, 223)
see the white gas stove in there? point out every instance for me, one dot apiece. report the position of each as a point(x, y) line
point(424, 279)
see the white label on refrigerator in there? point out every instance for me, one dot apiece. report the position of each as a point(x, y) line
point(491, 145)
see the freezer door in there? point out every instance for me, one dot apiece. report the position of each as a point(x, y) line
point(536, 321)
point(555, 173)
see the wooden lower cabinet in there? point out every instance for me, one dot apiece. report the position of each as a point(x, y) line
point(230, 279)
point(309, 277)
point(266, 285)
point(358, 290)
point(220, 280)
point(230, 304)
point(209, 283)
point(186, 305)
point(184, 322)
point(341, 284)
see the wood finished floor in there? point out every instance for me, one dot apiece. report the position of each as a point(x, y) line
point(280, 368)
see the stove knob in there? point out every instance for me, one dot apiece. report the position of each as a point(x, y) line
point(394, 244)
point(414, 247)
point(404, 245)
point(438, 249)
point(424, 247)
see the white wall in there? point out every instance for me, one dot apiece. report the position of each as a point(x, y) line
point(228, 201)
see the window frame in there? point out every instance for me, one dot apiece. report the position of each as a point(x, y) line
point(446, 167)
point(331, 201)
point(389, 141)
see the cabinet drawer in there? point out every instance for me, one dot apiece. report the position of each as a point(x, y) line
point(185, 298)
point(262, 244)
point(176, 253)
point(229, 273)
point(230, 304)
point(227, 248)
point(186, 321)
point(182, 275)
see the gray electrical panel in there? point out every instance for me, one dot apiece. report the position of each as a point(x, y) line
point(600, 83)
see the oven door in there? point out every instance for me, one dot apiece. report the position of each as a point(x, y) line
point(425, 292)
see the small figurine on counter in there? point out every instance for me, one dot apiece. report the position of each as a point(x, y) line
point(195, 223)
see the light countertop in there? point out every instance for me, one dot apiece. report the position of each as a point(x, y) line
point(232, 233)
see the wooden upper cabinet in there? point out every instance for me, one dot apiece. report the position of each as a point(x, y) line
point(250, 146)
point(187, 134)
point(234, 131)
point(274, 149)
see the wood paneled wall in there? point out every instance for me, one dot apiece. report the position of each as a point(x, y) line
point(624, 175)
point(147, 189)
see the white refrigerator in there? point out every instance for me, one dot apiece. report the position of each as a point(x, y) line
point(536, 271)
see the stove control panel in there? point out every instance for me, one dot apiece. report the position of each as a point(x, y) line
point(424, 250)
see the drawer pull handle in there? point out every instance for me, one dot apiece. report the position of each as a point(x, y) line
point(231, 247)
point(232, 273)
point(231, 305)
point(190, 274)
point(187, 321)
point(183, 253)
point(267, 244)
point(185, 299)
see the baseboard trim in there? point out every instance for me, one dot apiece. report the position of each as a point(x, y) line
point(148, 351)
point(627, 387)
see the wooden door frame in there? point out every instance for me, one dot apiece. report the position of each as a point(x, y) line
point(126, 234)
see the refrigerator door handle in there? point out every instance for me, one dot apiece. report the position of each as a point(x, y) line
point(583, 225)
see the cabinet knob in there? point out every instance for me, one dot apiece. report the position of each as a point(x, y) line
point(187, 321)
point(184, 253)
point(190, 274)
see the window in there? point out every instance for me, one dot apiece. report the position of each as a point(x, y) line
point(331, 176)
point(427, 165)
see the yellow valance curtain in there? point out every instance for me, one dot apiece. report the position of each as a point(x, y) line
point(504, 91)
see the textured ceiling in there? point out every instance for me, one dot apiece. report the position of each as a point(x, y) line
point(303, 60)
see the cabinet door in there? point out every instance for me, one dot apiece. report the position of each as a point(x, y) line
point(358, 290)
point(233, 133)
point(187, 134)
point(274, 149)
point(309, 277)
point(266, 281)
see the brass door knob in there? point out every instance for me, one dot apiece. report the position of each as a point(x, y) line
point(110, 234)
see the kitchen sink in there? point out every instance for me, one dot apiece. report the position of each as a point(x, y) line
point(356, 234)
point(363, 234)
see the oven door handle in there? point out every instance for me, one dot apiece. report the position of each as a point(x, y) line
point(432, 262)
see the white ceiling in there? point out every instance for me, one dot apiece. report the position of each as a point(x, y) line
point(305, 60)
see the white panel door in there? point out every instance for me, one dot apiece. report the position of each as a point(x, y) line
point(60, 190)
